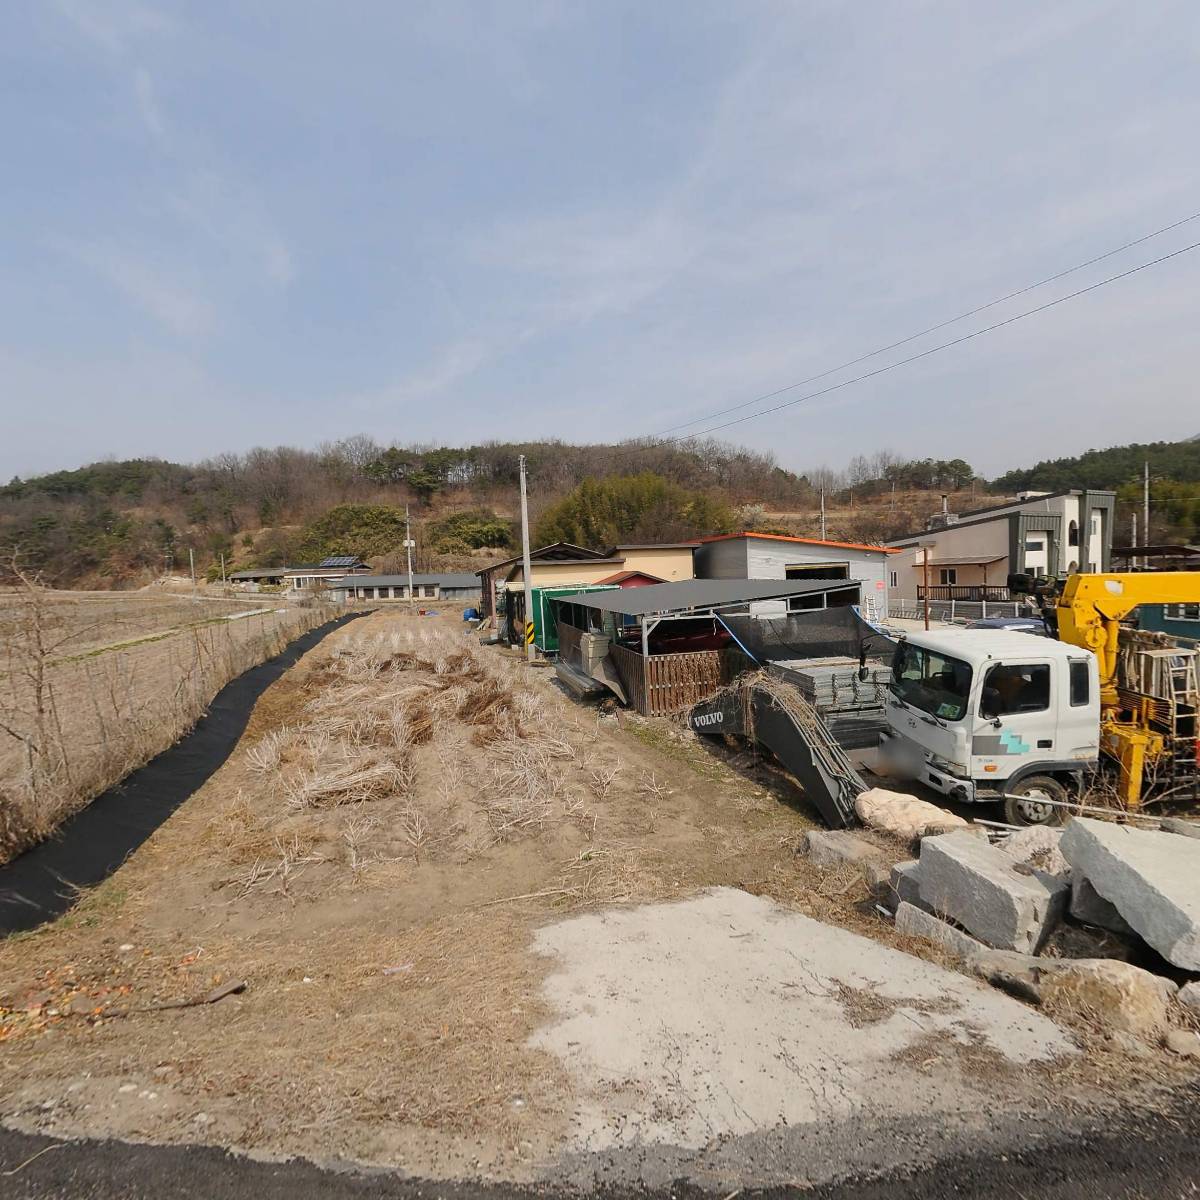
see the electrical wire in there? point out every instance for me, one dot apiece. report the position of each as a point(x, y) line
point(932, 328)
point(966, 337)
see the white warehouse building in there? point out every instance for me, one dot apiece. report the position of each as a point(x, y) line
point(779, 556)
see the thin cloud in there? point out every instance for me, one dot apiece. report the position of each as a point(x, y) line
point(146, 285)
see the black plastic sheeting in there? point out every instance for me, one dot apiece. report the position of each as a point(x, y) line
point(825, 633)
point(42, 883)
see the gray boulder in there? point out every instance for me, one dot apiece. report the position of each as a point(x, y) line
point(1152, 878)
point(1001, 901)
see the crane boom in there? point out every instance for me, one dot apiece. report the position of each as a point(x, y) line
point(1087, 611)
point(1091, 607)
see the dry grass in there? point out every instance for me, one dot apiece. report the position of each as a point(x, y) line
point(79, 711)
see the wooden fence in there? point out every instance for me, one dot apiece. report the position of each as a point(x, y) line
point(664, 683)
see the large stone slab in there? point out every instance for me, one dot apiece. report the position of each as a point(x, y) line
point(1088, 907)
point(837, 848)
point(916, 922)
point(1152, 879)
point(1000, 901)
point(906, 883)
point(1178, 825)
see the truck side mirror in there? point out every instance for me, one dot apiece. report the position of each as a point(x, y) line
point(989, 705)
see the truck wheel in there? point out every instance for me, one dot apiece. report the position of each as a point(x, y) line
point(1025, 803)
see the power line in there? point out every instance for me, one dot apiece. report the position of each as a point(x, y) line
point(791, 387)
point(966, 337)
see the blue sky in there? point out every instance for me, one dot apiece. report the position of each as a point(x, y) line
point(229, 224)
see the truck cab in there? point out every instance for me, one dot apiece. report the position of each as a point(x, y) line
point(994, 716)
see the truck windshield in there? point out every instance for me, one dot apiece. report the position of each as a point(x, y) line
point(932, 682)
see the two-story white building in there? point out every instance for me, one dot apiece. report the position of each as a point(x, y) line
point(969, 556)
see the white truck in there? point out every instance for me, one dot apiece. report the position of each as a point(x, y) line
point(994, 716)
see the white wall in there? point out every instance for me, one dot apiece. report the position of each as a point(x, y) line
point(768, 559)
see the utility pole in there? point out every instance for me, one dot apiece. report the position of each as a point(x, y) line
point(192, 564)
point(222, 570)
point(408, 549)
point(1133, 541)
point(1145, 511)
point(925, 580)
point(526, 565)
point(822, 514)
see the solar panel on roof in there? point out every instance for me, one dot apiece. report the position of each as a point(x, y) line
point(339, 560)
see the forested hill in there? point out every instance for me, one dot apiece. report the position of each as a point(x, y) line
point(1112, 468)
point(124, 523)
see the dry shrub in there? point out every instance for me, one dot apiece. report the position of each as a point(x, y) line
point(351, 781)
point(420, 723)
point(484, 703)
point(240, 832)
point(267, 756)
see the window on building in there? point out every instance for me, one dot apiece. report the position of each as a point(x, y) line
point(1073, 534)
point(1183, 612)
point(948, 575)
point(1011, 688)
point(369, 593)
point(1035, 545)
point(1080, 684)
point(894, 579)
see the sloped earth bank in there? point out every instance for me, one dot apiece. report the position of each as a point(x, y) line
point(479, 937)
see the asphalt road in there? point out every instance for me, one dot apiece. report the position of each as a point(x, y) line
point(1137, 1158)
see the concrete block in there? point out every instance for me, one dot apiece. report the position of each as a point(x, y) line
point(916, 922)
point(1005, 903)
point(836, 848)
point(1088, 907)
point(1189, 995)
point(1149, 876)
point(906, 884)
point(1178, 825)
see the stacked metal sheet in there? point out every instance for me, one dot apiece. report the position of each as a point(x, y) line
point(832, 685)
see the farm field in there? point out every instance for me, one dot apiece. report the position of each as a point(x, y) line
point(94, 684)
point(430, 869)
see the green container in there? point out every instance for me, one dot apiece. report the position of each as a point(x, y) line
point(545, 628)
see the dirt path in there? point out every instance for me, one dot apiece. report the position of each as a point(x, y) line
point(408, 818)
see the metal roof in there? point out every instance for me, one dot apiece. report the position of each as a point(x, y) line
point(448, 580)
point(700, 594)
point(341, 560)
point(804, 541)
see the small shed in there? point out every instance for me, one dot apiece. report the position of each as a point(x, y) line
point(668, 645)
